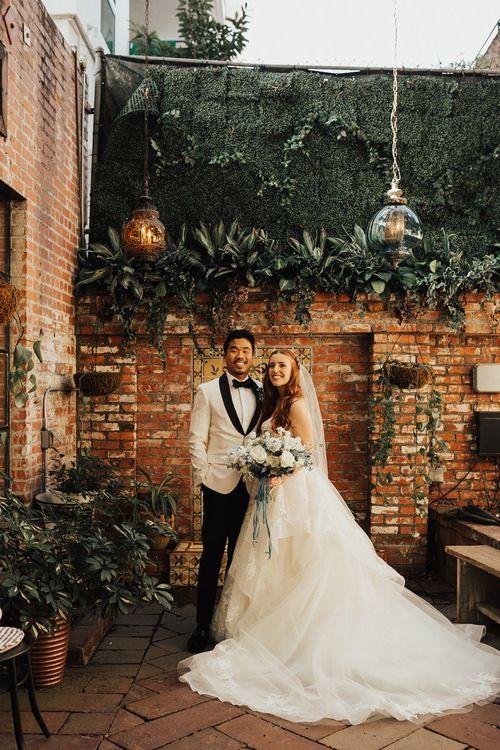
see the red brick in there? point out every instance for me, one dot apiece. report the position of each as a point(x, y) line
point(264, 735)
point(158, 732)
point(465, 728)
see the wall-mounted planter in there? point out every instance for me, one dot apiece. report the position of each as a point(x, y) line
point(96, 383)
point(408, 374)
point(7, 301)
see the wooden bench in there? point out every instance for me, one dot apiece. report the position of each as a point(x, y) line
point(478, 587)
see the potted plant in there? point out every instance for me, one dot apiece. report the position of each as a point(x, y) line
point(80, 479)
point(53, 564)
point(407, 374)
point(157, 506)
point(96, 382)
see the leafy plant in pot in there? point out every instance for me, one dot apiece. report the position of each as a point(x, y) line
point(396, 392)
point(54, 564)
point(158, 507)
point(82, 478)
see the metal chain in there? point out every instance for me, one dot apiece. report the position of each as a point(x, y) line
point(146, 102)
point(396, 174)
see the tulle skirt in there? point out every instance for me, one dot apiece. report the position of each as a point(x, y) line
point(325, 629)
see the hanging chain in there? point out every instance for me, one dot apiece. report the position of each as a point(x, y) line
point(146, 102)
point(396, 174)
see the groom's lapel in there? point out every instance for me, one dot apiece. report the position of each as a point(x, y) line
point(228, 403)
point(258, 396)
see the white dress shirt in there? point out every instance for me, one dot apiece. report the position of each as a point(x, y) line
point(244, 401)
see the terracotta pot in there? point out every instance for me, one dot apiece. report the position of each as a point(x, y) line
point(96, 383)
point(48, 655)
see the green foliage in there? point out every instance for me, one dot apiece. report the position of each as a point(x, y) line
point(295, 150)
point(202, 36)
point(56, 559)
point(22, 379)
point(225, 262)
point(158, 495)
point(87, 474)
point(143, 39)
point(205, 37)
point(384, 407)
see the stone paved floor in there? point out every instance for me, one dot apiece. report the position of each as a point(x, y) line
point(129, 698)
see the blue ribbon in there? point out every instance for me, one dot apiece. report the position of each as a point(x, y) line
point(261, 503)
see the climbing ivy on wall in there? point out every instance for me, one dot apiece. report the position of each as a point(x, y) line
point(285, 151)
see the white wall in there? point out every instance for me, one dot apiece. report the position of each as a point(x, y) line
point(80, 23)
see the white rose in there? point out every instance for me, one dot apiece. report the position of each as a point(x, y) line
point(287, 460)
point(274, 461)
point(274, 444)
point(258, 454)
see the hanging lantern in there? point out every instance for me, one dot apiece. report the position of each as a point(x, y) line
point(395, 229)
point(143, 236)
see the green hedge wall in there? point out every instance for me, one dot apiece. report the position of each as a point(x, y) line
point(222, 134)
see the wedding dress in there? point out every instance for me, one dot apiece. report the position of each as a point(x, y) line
point(326, 629)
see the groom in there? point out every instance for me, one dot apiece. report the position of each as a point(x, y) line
point(224, 411)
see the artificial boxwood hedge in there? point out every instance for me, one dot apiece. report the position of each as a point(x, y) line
point(288, 150)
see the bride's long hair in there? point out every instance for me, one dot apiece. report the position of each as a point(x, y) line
point(273, 402)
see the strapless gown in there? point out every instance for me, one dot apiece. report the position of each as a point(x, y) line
point(325, 629)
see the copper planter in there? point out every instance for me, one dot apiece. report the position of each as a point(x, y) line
point(48, 656)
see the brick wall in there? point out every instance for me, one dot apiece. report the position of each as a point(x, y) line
point(145, 422)
point(39, 176)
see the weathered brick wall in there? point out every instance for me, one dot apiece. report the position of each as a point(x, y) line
point(39, 161)
point(145, 422)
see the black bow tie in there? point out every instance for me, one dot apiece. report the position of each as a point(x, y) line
point(243, 383)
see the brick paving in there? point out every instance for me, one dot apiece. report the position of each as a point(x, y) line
point(129, 698)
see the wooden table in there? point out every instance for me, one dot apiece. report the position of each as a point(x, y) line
point(478, 587)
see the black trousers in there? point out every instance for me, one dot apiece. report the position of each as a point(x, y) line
point(222, 519)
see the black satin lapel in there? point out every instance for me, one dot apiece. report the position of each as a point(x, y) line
point(258, 408)
point(228, 403)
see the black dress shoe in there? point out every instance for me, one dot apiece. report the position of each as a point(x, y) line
point(199, 640)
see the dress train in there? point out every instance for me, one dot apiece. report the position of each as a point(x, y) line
point(326, 629)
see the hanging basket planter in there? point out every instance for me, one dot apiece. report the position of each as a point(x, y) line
point(7, 301)
point(408, 374)
point(96, 383)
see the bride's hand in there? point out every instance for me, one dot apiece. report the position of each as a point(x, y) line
point(275, 482)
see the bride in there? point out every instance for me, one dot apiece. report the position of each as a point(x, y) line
point(324, 628)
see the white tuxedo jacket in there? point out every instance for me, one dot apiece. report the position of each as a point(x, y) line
point(214, 428)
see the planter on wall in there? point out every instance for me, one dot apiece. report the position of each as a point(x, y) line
point(408, 374)
point(48, 655)
point(7, 301)
point(96, 383)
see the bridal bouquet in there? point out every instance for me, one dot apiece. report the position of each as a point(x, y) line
point(270, 454)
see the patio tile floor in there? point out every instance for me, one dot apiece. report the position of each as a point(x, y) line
point(129, 698)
